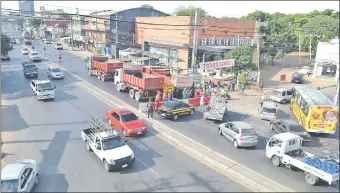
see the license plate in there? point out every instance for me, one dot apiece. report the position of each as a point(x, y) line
point(124, 166)
point(139, 132)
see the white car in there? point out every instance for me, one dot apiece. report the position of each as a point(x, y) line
point(58, 46)
point(34, 56)
point(306, 70)
point(55, 73)
point(43, 89)
point(25, 51)
point(20, 176)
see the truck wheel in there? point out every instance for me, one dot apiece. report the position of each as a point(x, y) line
point(118, 87)
point(311, 179)
point(271, 126)
point(137, 96)
point(89, 73)
point(98, 76)
point(88, 147)
point(103, 77)
point(132, 93)
point(276, 161)
point(107, 166)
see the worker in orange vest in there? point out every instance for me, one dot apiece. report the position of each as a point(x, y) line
point(158, 99)
point(165, 96)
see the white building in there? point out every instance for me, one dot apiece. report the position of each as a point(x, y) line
point(327, 60)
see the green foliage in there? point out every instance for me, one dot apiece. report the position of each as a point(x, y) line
point(242, 78)
point(243, 59)
point(147, 6)
point(190, 11)
point(217, 58)
point(5, 44)
point(34, 22)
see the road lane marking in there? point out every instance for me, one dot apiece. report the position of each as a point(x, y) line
point(156, 122)
point(153, 171)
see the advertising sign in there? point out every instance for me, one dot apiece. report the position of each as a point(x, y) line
point(219, 64)
point(168, 87)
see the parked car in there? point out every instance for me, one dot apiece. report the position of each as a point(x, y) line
point(306, 70)
point(126, 121)
point(268, 111)
point(240, 133)
point(281, 95)
point(20, 176)
point(55, 73)
point(287, 125)
point(5, 57)
point(297, 77)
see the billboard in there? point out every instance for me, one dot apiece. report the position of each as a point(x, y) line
point(219, 64)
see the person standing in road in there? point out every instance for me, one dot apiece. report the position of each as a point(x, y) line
point(185, 93)
point(222, 84)
point(233, 83)
point(242, 89)
point(202, 102)
point(150, 109)
point(261, 85)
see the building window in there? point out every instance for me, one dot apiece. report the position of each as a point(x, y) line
point(211, 41)
point(226, 42)
point(218, 41)
point(106, 23)
point(204, 41)
point(232, 41)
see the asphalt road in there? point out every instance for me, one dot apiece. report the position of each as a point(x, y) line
point(205, 132)
point(50, 131)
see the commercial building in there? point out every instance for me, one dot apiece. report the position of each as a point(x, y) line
point(26, 7)
point(327, 60)
point(172, 41)
point(79, 34)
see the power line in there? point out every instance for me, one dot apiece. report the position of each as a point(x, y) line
point(63, 6)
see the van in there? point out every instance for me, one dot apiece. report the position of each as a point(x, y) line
point(268, 111)
point(281, 95)
point(43, 89)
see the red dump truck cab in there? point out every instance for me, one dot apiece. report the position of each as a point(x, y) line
point(139, 85)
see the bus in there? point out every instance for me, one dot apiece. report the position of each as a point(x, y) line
point(313, 110)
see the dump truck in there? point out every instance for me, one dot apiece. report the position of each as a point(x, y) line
point(100, 67)
point(104, 140)
point(139, 85)
point(180, 81)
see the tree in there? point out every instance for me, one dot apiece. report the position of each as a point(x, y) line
point(190, 11)
point(35, 22)
point(147, 6)
point(272, 51)
point(243, 59)
point(5, 44)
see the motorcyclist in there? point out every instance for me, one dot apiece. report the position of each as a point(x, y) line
point(44, 48)
point(224, 92)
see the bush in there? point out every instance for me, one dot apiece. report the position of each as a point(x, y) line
point(242, 78)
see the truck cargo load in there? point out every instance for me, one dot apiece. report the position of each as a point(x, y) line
point(107, 67)
point(90, 59)
point(143, 80)
point(100, 67)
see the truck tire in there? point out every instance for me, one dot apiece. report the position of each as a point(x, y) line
point(118, 87)
point(311, 179)
point(107, 166)
point(132, 93)
point(276, 161)
point(137, 96)
point(103, 77)
point(89, 72)
point(98, 76)
point(88, 147)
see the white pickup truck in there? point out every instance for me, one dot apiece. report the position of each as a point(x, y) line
point(107, 144)
point(43, 89)
point(285, 149)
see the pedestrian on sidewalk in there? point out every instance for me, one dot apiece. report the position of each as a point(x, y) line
point(202, 103)
point(150, 109)
point(233, 83)
point(223, 84)
point(242, 89)
point(261, 85)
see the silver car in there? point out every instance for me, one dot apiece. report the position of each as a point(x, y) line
point(20, 176)
point(240, 133)
point(55, 73)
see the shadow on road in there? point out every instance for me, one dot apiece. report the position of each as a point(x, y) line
point(11, 119)
point(50, 178)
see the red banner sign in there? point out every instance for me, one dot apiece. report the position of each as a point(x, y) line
point(219, 64)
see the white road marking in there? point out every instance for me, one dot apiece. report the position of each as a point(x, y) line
point(153, 171)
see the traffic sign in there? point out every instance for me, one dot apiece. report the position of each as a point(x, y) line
point(168, 87)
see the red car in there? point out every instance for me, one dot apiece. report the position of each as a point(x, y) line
point(126, 121)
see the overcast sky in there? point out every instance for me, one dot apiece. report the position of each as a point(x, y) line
point(215, 8)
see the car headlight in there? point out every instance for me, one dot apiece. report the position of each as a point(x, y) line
point(112, 161)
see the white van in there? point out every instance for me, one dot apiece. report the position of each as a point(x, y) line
point(43, 89)
point(281, 95)
point(268, 111)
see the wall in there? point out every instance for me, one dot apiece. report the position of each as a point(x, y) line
point(126, 30)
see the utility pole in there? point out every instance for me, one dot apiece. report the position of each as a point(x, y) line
point(72, 22)
point(97, 31)
point(116, 36)
point(258, 53)
point(310, 46)
point(336, 94)
point(299, 37)
point(194, 44)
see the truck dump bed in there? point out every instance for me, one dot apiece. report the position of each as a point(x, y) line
point(107, 67)
point(136, 78)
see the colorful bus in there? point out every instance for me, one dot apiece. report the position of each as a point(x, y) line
point(313, 110)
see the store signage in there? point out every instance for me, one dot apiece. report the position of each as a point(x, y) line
point(219, 64)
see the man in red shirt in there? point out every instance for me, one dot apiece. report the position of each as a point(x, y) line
point(198, 93)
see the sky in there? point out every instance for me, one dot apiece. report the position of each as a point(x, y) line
point(214, 8)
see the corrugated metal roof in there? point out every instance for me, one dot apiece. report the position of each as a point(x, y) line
point(312, 96)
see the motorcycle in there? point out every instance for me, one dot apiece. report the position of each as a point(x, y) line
point(226, 96)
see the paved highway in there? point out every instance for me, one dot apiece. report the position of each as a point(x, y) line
point(205, 132)
point(51, 131)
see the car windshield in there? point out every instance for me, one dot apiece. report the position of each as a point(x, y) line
point(169, 105)
point(30, 67)
point(277, 93)
point(58, 44)
point(112, 143)
point(34, 54)
point(296, 128)
point(45, 86)
point(55, 70)
point(269, 110)
point(9, 185)
point(248, 132)
point(297, 75)
point(25, 49)
point(129, 117)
